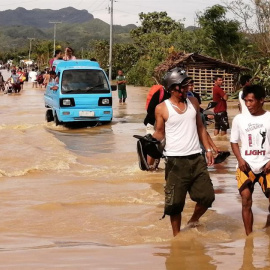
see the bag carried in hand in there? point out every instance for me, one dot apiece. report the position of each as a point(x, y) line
point(147, 145)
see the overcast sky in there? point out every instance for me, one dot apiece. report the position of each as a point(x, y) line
point(125, 11)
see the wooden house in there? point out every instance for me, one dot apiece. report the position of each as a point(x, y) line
point(202, 69)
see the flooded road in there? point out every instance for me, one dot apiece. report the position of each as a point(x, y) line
point(75, 198)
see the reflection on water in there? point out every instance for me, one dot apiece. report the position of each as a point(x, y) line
point(190, 251)
point(252, 253)
point(248, 254)
point(189, 254)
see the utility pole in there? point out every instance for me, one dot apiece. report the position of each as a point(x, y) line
point(54, 34)
point(82, 56)
point(30, 47)
point(111, 41)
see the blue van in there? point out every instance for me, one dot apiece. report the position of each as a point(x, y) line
point(82, 93)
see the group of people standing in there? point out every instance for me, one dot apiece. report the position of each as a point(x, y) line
point(36, 77)
point(176, 118)
point(15, 81)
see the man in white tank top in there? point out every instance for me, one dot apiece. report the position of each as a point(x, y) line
point(178, 120)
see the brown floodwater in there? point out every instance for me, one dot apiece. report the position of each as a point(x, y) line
point(75, 198)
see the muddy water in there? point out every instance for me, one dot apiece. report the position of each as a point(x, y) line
point(74, 198)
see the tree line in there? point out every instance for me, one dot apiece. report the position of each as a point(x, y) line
point(244, 40)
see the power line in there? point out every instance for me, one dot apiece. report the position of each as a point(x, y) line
point(95, 6)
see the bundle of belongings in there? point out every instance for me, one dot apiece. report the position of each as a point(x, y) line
point(147, 145)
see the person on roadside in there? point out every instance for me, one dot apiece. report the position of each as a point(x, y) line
point(220, 110)
point(252, 131)
point(2, 82)
point(244, 81)
point(69, 54)
point(57, 56)
point(26, 73)
point(192, 93)
point(33, 77)
point(15, 81)
point(156, 95)
point(21, 76)
point(178, 120)
point(122, 90)
point(40, 79)
point(46, 78)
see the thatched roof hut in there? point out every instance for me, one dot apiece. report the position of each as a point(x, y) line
point(202, 69)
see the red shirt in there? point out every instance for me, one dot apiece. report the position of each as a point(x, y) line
point(218, 95)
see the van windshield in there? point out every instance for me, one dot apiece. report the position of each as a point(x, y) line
point(83, 81)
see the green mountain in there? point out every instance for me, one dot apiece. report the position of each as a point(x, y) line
point(41, 18)
point(78, 28)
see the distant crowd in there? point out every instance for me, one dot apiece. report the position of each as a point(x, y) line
point(32, 74)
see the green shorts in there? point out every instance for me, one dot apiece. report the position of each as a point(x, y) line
point(187, 174)
point(122, 93)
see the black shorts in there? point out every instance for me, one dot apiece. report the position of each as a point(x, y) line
point(221, 121)
point(16, 87)
point(187, 174)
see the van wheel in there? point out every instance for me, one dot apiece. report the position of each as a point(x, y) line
point(56, 120)
point(49, 116)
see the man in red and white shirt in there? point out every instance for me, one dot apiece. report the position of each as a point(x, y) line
point(253, 133)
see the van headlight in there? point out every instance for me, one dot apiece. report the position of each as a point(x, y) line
point(106, 101)
point(67, 102)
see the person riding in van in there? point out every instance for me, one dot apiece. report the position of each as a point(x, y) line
point(53, 80)
point(67, 79)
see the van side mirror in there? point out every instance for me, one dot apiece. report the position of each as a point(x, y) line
point(114, 87)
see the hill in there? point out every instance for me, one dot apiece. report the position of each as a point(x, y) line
point(77, 29)
point(40, 18)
